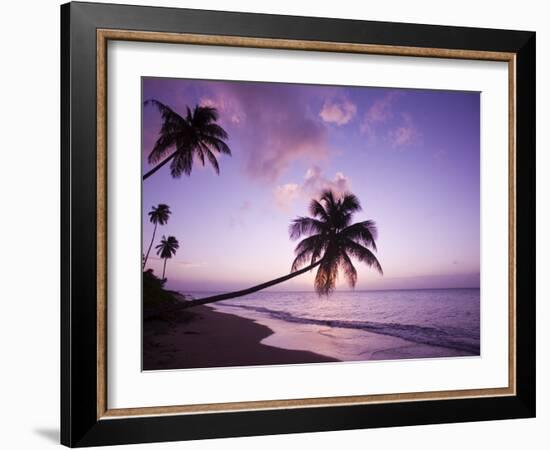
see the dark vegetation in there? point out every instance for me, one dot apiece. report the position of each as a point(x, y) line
point(162, 305)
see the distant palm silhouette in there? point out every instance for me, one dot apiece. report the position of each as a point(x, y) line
point(166, 249)
point(182, 139)
point(331, 240)
point(158, 215)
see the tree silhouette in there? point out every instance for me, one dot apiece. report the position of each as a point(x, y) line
point(158, 215)
point(182, 139)
point(166, 249)
point(331, 240)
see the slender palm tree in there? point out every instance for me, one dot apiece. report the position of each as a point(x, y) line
point(330, 241)
point(184, 138)
point(166, 249)
point(158, 215)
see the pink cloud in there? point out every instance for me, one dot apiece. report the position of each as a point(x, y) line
point(314, 183)
point(285, 194)
point(379, 112)
point(279, 129)
point(404, 134)
point(339, 113)
point(210, 102)
point(380, 119)
point(226, 107)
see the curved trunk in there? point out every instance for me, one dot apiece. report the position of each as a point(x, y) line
point(158, 166)
point(258, 287)
point(150, 245)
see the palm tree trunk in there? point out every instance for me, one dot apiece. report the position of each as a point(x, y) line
point(150, 245)
point(158, 166)
point(258, 287)
point(164, 268)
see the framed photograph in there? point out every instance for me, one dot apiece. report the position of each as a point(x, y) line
point(276, 224)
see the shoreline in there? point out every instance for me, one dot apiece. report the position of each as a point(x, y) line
point(344, 344)
point(210, 338)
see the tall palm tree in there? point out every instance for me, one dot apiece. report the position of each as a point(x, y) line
point(330, 241)
point(158, 215)
point(166, 249)
point(184, 138)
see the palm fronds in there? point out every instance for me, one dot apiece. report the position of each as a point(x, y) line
point(183, 139)
point(329, 237)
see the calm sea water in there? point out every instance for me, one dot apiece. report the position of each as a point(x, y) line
point(448, 318)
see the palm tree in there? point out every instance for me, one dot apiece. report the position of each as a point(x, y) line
point(166, 249)
point(331, 234)
point(330, 241)
point(182, 139)
point(158, 215)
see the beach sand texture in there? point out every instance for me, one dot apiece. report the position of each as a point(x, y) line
point(214, 339)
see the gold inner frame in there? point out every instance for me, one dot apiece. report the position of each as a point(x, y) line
point(104, 35)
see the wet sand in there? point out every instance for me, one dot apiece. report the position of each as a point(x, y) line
point(344, 344)
point(207, 338)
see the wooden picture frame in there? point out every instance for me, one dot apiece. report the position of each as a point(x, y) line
point(86, 418)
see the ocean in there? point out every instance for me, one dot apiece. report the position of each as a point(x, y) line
point(359, 325)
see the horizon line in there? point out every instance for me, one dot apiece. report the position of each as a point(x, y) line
point(352, 290)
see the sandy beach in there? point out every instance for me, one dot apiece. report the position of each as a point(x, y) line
point(205, 337)
point(208, 338)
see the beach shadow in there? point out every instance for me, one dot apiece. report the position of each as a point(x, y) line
point(50, 434)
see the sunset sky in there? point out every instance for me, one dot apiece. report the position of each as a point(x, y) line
point(410, 156)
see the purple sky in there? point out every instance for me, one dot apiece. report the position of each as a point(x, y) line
point(411, 156)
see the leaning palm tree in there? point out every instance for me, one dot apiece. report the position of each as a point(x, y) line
point(166, 249)
point(184, 138)
point(331, 240)
point(158, 215)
